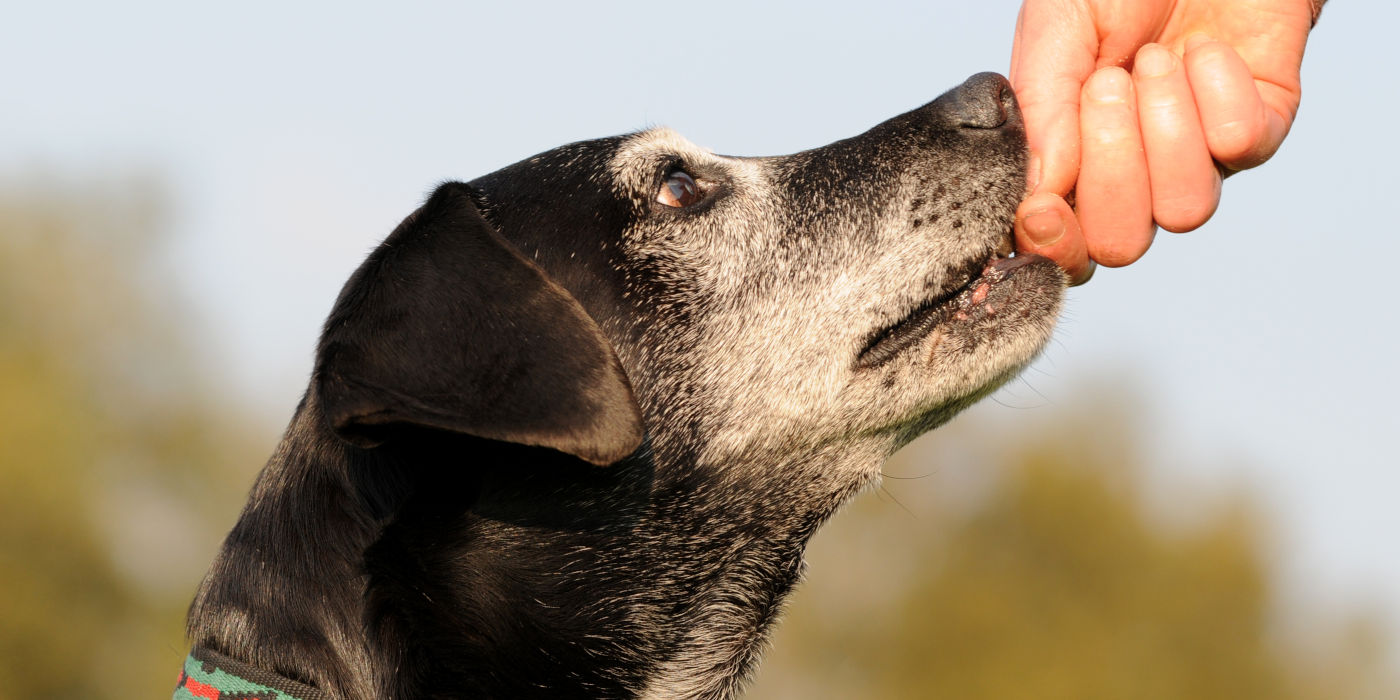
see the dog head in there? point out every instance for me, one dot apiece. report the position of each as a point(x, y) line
point(724, 308)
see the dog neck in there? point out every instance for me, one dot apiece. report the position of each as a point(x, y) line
point(746, 527)
point(523, 571)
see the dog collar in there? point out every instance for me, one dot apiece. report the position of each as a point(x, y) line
point(209, 675)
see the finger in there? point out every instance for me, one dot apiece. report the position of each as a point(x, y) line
point(1054, 51)
point(1114, 197)
point(1241, 131)
point(1269, 37)
point(1045, 225)
point(1184, 180)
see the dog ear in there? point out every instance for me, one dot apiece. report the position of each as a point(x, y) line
point(447, 326)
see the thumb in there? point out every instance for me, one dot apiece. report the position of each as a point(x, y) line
point(1054, 52)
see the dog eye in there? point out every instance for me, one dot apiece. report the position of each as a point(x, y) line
point(679, 190)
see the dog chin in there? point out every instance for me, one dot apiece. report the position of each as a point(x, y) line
point(995, 326)
point(969, 343)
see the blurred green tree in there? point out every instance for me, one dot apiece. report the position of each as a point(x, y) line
point(119, 468)
point(1049, 577)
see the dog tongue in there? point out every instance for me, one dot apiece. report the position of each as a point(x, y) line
point(1005, 265)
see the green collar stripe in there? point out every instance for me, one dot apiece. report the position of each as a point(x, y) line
point(212, 676)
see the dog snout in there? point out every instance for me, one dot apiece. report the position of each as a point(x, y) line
point(984, 101)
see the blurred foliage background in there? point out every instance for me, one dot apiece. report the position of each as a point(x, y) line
point(1043, 566)
point(120, 467)
point(1048, 567)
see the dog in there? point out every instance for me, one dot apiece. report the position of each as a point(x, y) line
point(571, 425)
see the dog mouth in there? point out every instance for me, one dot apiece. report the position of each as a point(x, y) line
point(978, 291)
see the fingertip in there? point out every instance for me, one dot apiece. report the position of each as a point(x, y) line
point(1050, 218)
point(1239, 144)
point(1043, 229)
point(1190, 210)
point(1108, 85)
point(1114, 193)
point(1263, 142)
point(1153, 61)
point(1045, 225)
point(1119, 250)
point(1234, 119)
point(1184, 180)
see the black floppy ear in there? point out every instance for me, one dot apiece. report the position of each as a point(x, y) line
point(446, 325)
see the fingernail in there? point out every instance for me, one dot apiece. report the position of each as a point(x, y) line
point(1043, 227)
point(1154, 61)
point(1108, 85)
point(1086, 275)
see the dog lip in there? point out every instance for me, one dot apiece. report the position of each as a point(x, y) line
point(888, 342)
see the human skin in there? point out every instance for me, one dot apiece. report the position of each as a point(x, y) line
point(1137, 109)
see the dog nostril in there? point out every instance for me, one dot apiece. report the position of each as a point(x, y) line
point(983, 102)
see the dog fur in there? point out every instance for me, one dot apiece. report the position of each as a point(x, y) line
point(564, 440)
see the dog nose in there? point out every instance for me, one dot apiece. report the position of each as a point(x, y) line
point(984, 101)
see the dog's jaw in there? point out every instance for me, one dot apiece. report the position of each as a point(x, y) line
point(964, 342)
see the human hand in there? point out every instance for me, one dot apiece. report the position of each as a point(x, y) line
point(1213, 89)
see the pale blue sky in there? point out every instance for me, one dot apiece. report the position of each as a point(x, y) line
point(295, 137)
